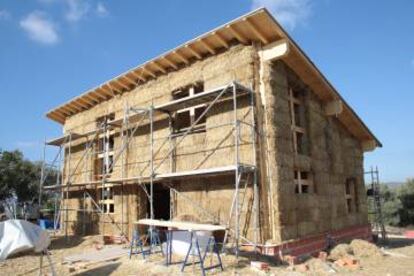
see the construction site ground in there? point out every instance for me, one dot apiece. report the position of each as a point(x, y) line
point(398, 260)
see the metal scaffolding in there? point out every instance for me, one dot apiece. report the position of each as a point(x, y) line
point(134, 119)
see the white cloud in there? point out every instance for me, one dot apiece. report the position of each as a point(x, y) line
point(77, 9)
point(4, 15)
point(289, 13)
point(40, 28)
point(101, 10)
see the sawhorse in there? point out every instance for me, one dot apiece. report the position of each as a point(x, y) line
point(195, 246)
point(137, 243)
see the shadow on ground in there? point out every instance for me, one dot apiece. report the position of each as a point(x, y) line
point(61, 242)
point(101, 270)
point(393, 242)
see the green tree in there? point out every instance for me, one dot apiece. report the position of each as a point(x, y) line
point(406, 196)
point(391, 206)
point(20, 177)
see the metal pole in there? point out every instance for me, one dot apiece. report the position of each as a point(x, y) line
point(84, 213)
point(67, 188)
point(171, 151)
point(255, 187)
point(236, 142)
point(124, 123)
point(151, 114)
point(42, 175)
point(152, 162)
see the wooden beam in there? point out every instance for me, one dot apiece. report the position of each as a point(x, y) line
point(182, 58)
point(83, 103)
point(130, 80)
point(220, 39)
point(170, 63)
point(149, 72)
point(121, 84)
point(334, 107)
point(105, 89)
point(275, 50)
point(237, 34)
point(76, 107)
point(159, 67)
point(99, 95)
point(59, 116)
point(194, 52)
point(112, 88)
point(138, 76)
point(207, 46)
point(369, 145)
point(67, 110)
point(256, 31)
point(89, 100)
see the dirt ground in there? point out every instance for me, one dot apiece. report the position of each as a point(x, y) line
point(399, 261)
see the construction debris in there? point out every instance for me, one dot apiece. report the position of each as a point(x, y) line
point(259, 265)
point(340, 251)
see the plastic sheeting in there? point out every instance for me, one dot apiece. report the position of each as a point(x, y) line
point(19, 236)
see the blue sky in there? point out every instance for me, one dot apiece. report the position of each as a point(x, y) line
point(52, 50)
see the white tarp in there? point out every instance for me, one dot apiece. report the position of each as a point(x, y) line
point(20, 235)
point(181, 242)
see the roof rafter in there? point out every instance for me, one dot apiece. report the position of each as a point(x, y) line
point(82, 103)
point(207, 46)
point(182, 58)
point(194, 52)
point(121, 84)
point(172, 64)
point(237, 34)
point(256, 31)
point(159, 67)
point(220, 39)
point(130, 80)
point(138, 76)
point(149, 72)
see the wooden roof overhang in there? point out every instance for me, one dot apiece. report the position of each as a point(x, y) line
point(257, 26)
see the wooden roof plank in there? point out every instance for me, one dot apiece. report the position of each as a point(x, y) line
point(172, 64)
point(207, 46)
point(181, 57)
point(159, 67)
point(256, 31)
point(237, 34)
point(220, 39)
point(194, 52)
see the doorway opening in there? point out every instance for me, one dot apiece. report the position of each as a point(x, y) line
point(161, 202)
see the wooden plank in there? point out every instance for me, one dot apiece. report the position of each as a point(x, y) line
point(149, 72)
point(237, 34)
point(256, 31)
point(181, 225)
point(159, 67)
point(194, 52)
point(207, 46)
point(220, 39)
point(181, 57)
point(172, 64)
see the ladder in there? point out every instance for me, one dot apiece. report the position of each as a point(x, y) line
point(374, 199)
point(243, 179)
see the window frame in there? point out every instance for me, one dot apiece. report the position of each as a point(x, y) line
point(301, 182)
point(105, 148)
point(105, 203)
point(298, 125)
point(190, 91)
